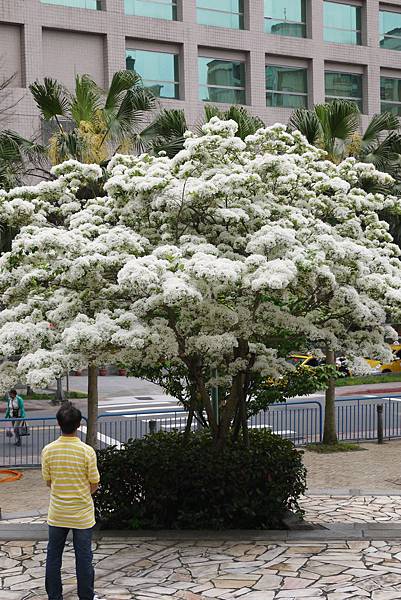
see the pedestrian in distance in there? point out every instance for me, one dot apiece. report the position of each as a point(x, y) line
point(15, 410)
point(69, 468)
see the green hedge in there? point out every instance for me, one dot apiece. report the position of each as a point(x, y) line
point(165, 482)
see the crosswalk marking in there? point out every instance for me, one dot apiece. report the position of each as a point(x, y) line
point(139, 409)
point(103, 438)
point(166, 415)
point(166, 402)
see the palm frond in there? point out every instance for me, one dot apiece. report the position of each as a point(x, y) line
point(51, 98)
point(86, 100)
point(379, 124)
point(135, 104)
point(27, 148)
point(165, 133)
point(385, 154)
point(122, 82)
point(339, 119)
point(307, 122)
point(247, 123)
point(70, 145)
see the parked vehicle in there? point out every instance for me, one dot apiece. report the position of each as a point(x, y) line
point(392, 367)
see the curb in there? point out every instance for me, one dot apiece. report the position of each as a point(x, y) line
point(338, 532)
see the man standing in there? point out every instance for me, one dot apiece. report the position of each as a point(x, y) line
point(70, 470)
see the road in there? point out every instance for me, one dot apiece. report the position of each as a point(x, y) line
point(129, 405)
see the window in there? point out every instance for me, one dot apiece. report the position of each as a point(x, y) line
point(159, 71)
point(159, 9)
point(342, 23)
point(344, 85)
point(224, 13)
point(285, 17)
point(390, 30)
point(221, 80)
point(286, 87)
point(390, 94)
point(94, 4)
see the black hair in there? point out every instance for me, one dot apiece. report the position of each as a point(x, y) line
point(13, 392)
point(69, 418)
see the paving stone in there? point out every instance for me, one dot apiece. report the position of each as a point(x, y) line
point(268, 582)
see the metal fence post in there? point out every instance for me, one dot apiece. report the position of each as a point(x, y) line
point(380, 423)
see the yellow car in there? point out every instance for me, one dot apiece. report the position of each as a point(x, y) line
point(308, 360)
point(392, 367)
point(304, 360)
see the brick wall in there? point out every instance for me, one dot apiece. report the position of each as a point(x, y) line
point(41, 39)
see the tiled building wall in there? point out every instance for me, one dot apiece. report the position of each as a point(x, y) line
point(38, 40)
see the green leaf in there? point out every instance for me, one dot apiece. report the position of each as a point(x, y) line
point(87, 99)
point(51, 98)
point(307, 122)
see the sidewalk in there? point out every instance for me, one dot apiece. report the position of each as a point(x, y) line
point(226, 567)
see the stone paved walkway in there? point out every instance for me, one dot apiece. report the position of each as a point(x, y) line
point(226, 570)
point(323, 509)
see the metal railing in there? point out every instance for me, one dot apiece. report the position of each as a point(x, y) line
point(357, 417)
point(299, 422)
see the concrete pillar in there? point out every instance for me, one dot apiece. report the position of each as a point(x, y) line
point(316, 82)
point(32, 52)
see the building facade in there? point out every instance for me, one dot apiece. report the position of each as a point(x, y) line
point(270, 55)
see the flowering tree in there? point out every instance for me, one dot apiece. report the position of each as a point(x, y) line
point(213, 262)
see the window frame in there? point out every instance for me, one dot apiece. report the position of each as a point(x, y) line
point(304, 24)
point(173, 4)
point(223, 87)
point(358, 32)
point(99, 4)
point(358, 101)
point(298, 94)
point(384, 36)
point(174, 83)
point(396, 103)
point(241, 15)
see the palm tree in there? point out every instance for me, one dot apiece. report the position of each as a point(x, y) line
point(19, 158)
point(166, 132)
point(335, 127)
point(91, 125)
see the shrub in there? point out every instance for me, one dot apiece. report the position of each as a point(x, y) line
point(166, 482)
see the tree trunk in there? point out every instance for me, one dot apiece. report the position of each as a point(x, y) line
point(29, 390)
point(244, 418)
point(60, 398)
point(330, 432)
point(93, 401)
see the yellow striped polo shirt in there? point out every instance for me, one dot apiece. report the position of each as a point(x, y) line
point(71, 467)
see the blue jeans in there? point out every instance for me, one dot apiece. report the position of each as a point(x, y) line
point(82, 539)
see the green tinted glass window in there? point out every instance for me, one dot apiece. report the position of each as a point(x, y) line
point(390, 30)
point(285, 17)
point(159, 71)
point(342, 23)
point(159, 9)
point(221, 80)
point(344, 85)
point(286, 87)
point(224, 13)
point(390, 95)
point(93, 4)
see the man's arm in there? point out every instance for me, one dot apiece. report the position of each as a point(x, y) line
point(93, 473)
point(49, 483)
